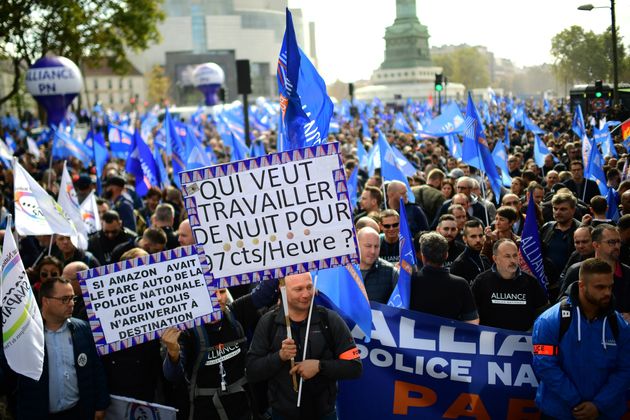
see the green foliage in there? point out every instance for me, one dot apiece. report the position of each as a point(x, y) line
point(82, 30)
point(584, 56)
point(465, 65)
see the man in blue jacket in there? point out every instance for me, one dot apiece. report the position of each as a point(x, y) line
point(582, 351)
point(73, 384)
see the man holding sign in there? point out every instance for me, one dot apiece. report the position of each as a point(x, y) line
point(332, 355)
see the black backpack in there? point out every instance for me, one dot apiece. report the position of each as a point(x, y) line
point(566, 315)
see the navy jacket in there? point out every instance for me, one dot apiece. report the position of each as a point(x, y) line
point(32, 396)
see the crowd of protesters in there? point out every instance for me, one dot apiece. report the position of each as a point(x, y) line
point(466, 240)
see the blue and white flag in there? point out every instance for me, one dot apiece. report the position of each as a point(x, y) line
point(174, 147)
point(594, 169)
point(64, 146)
point(530, 250)
point(402, 292)
point(390, 170)
point(343, 288)
point(119, 141)
point(353, 187)
point(540, 151)
point(362, 155)
point(306, 107)
point(141, 164)
point(499, 154)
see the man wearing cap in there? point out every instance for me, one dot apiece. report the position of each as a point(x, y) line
point(83, 187)
point(114, 187)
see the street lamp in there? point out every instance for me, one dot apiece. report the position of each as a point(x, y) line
point(588, 8)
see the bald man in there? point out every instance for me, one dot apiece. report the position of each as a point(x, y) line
point(416, 219)
point(379, 276)
point(70, 273)
point(333, 355)
point(185, 234)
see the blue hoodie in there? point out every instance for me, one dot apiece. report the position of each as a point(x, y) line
point(588, 364)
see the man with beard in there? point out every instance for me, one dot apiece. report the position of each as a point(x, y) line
point(447, 227)
point(607, 245)
point(102, 243)
point(582, 351)
point(471, 263)
point(505, 296)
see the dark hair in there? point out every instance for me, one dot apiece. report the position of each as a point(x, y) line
point(48, 259)
point(599, 204)
point(375, 193)
point(598, 231)
point(497, 244)
point(446, 217)
point(434, 247)
point(624, 222)
point(111, 216)
point(576, 162)
point(472, 224)
point(508, 212)
point(46, 288)
point(593, 266)
point(155, 235)
point(101, 201)
point(154, 192)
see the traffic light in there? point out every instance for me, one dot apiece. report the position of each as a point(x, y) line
point(439, 82)
point(598, 89)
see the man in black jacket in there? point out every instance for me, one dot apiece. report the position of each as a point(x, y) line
point(470, 263)
point(331, 355)
point(102, 243)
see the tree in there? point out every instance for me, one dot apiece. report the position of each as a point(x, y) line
point(465, 65)
point(582, 56)
point(81, 30)
point(158, 84)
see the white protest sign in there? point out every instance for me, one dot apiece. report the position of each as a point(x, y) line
point(133, 301)
point(273, 215)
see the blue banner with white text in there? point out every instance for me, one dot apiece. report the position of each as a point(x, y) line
point(431, 367)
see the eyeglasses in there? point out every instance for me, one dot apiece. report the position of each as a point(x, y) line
point(612, 242)
point(46, 274)
point(64, 299)
point(392, 226)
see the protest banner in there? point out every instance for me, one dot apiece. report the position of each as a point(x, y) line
point(430, 367)
point(271, 216)
point(131, 409)
point(133, 301)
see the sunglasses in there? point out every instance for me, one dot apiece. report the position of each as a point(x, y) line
point(392, 226)
point(46, 274)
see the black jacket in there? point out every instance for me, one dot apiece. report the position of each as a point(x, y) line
point(621, 285)
point(339, 359)
point(469, 264)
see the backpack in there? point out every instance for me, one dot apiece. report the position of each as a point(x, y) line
point(566, 315)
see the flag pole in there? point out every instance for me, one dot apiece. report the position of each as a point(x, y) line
point(287, 321)
point(50, 164)
point(483, 192)
point(52, 237)
point(308, 326)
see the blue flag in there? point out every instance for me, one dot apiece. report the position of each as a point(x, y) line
point(530, 244)
point(454, 145)
point(174, 147)
point(540, 151)
point(594, 170)
point(141, 164)
point(344, 289)
point(612, 199)
point(405, 166)
point(499, 154)
point(402, 292)
point(578, 126)
point(604, 139)
point(162, 173)
point(306, 107)
point(475, 149)
point(119, 141)
point(353, 187)
point(390, 171)
point(529, 125)
point(64, 146)
point(362, 155)
point(257, 149)
point(450, 121)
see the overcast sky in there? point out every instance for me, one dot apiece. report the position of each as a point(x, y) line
point(350, 43)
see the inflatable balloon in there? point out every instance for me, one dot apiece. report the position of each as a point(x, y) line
point(208, 78)
point(54, 82)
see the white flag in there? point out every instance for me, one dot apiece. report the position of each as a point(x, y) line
point(22, 327)
point(36, 212)
point(32, 147)
point(69, 202)
point(128, 408)
point(89, 213)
